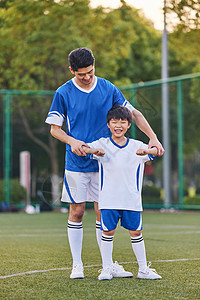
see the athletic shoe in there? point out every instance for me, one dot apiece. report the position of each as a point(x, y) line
point(105, 274)
point(77, 272)
point(118, 271)
point(148, 273)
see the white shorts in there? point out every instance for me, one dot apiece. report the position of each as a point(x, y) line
point(80, 187)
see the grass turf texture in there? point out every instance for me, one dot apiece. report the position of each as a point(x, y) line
point(39, 242)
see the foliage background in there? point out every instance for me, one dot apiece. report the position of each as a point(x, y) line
point(35, 39)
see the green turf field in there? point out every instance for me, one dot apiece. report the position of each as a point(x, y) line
point(39, 243)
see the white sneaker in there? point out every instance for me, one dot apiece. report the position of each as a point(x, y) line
point(77, 272)
point(118, 271)
point(148, 273)
point(105, 274)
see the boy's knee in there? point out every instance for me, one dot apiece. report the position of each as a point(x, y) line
point(109, 233)
point(135, 233)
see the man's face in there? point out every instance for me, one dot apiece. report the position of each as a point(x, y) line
point(119, 127)
point(84, 76)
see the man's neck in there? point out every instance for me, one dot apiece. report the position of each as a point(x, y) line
point(84, 86)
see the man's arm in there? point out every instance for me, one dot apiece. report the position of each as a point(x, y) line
point(76, 145)
point(144, 126)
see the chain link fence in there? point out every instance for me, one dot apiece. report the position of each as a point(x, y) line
point(22, 128)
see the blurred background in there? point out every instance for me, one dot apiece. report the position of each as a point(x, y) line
point(35, 39)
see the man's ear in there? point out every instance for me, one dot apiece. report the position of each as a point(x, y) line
point(71, 70)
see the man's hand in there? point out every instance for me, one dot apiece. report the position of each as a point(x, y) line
point(154, 142)
point(144, 126)
point(76, 147)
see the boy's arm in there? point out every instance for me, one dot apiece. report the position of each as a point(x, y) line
point(152, 151)
point(98, 152)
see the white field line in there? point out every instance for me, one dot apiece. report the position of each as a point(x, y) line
point(32, 235)
point(60, 229)
point(91, 266)
point(23, 235)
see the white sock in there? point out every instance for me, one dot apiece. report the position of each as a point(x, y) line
point(139, 250)
point(106, 250)
point(98, 233)
point(75, 236)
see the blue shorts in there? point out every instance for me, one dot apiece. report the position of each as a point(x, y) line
point(131, 220)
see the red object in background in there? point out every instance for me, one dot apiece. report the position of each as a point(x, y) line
point(149, 169)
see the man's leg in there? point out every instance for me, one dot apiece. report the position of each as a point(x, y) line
point(75, 236)
point(98, 225)
point(93, 195)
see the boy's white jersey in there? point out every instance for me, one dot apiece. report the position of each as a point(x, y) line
point(121, 174)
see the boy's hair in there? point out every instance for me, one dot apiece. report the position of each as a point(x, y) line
point(80, 58)
point(119, 112)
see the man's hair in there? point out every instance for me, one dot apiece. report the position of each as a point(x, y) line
point(80, 58)
point(119, 112)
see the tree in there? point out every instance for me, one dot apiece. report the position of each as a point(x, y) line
point(36, 37)
point(187, 12)
point(143, 62)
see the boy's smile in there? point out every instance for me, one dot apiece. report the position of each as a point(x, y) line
point(118, 129)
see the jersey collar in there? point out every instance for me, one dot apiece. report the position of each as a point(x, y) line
point(84, 90)
point(119, 145)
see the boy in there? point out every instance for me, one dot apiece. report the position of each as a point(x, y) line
point(121, 164)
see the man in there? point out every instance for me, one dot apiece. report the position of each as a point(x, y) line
point(83, 103)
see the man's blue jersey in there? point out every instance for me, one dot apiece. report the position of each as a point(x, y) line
point(85, 114)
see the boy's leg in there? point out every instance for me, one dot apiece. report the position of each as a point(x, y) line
point(109, 220)
point(106, 255)
point(107, 248)
point(132, 221)
point(139, 248)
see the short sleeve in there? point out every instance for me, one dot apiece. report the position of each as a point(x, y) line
point(95, 144)
point(147, 157)
point(57, 112)
point(98, 144)
point(119, 99)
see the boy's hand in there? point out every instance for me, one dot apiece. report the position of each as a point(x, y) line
point(99, 152)
point(142, 152)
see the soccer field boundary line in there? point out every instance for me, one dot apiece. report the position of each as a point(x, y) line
point(91, 266)
point(33, 235)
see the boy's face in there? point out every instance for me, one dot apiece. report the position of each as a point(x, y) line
point(119, 127)
point(84, 76)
